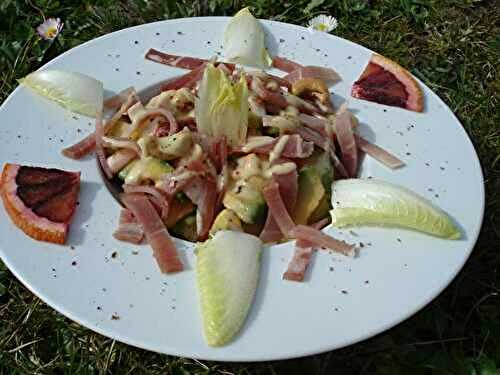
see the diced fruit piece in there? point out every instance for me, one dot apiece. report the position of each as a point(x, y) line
point(186, 228)
point(169, 147)
point(226, 220)
point(370, 202)
point(227, 268)
point(322, 210)
point(384, 81)
point(41, 202)
point(178, 209)
point(121, 129)
point(149, 168)
point(311, 191)
point(125, 171)
point(247, 202)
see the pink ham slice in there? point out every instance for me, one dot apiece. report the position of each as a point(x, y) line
point(317, 123)
point(99, 148)
point(288, 188)
point(188, 80)
point(203, 193)
point(156, 233)
point(80, 149)
point(115, 101)
point(277, 208)
point(302, 255)
point(319, 239)
point(378, 153)
point(284, 64)
point(183, 175)
point(347, 141)
point(325, 144)
point(325, 74)
point(87, 144)
point(184, 62)
point(301, 258)
point(271, 97)
point(159, 198)
point(128, 229)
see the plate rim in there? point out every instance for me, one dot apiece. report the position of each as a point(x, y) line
point(219, 356)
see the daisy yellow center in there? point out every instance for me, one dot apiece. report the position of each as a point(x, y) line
point(51, 32)
point(321, 27)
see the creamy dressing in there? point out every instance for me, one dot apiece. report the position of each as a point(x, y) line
point(285, 122)
point(222, 179)
point(256, 141)
point(278, 148)
point(248, 166)
point(194, 153)
point(283, 168)
point(252, 165)
point(135, 111)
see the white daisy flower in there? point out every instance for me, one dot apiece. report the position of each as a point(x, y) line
point(50, 28)
point(323, 23)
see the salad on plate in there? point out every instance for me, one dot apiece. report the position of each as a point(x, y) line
point(229, 157)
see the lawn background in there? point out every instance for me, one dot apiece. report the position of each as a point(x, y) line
point(451, 45)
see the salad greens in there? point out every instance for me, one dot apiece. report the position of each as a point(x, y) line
point(221, 108)
point(359, 202)
point(227, 271)
point(75, 91)
point(244, 41)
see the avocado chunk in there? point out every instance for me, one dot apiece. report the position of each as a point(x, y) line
point(310, 193)
point(186, 228)
point(169, 147)
point(324, 167)
point(226, 220)
point(149, 168)
point(246, 200)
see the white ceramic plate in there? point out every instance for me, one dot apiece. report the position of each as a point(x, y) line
point(343, 301)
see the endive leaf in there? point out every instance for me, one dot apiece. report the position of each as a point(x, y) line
point(244, 41)
point(221, 108)
point(371, 202)
point(227, 271)
point(75, 91)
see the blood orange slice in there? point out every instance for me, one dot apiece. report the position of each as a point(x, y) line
point(40, 201)
point(384, 81)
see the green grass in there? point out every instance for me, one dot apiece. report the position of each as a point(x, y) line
point(452, 45)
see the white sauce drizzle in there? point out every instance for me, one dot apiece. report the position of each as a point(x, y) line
point(256, 141)
point(278, 148)
point(283, 168)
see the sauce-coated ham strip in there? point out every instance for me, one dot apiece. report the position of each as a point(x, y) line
point(319, 239)
point(156, 233)
point(379, 153)
point(295, 147)
point(284, 64)
point(128, 229)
